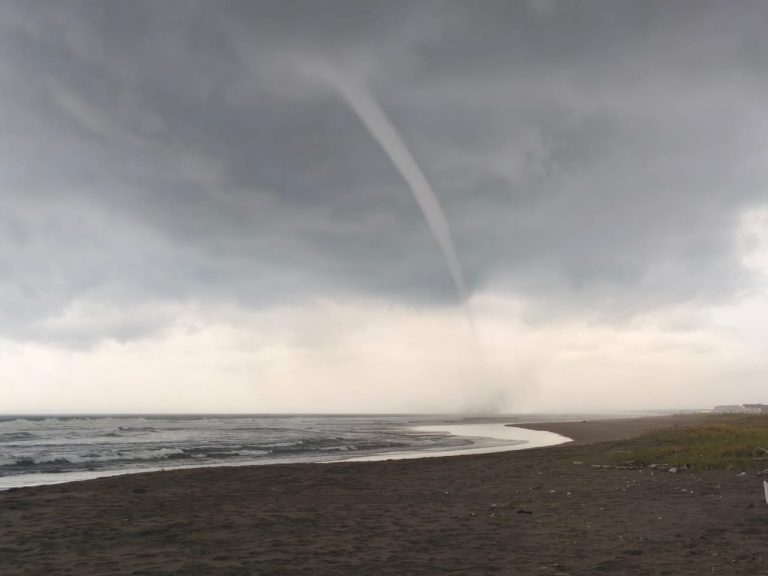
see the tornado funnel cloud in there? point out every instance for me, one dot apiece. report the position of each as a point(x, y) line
point(381, 129)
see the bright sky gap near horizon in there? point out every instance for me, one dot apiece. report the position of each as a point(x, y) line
point(190, 224)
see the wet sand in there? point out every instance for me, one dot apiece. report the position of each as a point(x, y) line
point(543, 511)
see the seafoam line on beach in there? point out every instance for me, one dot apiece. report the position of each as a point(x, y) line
point(511, 438)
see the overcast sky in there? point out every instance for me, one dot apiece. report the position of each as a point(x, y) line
point(190, 221)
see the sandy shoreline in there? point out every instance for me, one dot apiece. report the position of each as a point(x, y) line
point(591, 431)
point(540, 511)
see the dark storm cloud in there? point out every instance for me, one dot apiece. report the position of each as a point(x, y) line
point(588, 154)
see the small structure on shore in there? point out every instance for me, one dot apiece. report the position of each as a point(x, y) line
point(729, 409)
point(741, 409)
point(756, 408)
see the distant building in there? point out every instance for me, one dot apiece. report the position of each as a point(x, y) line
point(729, 409)
point(756, 408)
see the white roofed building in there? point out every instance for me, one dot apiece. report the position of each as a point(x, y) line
point(729, 409)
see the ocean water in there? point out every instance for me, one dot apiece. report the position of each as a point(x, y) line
point(51, 449)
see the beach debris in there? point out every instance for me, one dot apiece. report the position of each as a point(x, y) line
point(614, 467)
point(523, 511)
point(673, 470)
point(741, 474)
point(765, 489)
point(578, 462)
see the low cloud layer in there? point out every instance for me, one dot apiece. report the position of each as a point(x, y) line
point(368, 357)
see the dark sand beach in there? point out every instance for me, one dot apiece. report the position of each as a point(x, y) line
point(542, 511)
point(591, 431)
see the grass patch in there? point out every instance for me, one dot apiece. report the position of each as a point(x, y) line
point(733, 441)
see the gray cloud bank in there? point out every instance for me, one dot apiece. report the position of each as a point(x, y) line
point(589, 155)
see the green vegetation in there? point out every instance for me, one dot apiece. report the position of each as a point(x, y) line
point(733, 441)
